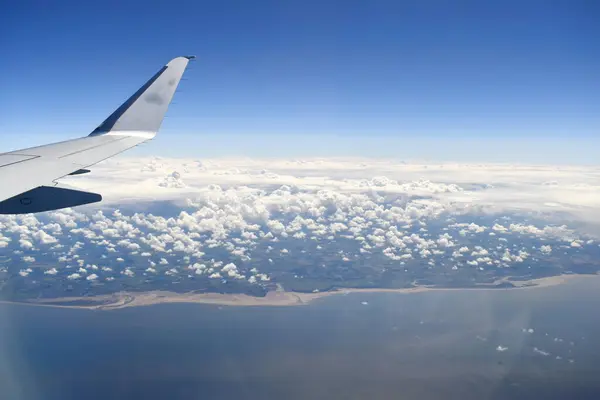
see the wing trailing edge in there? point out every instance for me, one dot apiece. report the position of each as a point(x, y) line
point(46, 198)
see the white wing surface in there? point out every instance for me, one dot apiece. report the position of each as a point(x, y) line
point(28, 177)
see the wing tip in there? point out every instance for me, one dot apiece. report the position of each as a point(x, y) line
point(181, 58)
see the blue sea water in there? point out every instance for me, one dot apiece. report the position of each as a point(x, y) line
point(494, 344)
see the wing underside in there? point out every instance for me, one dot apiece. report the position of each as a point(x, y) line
point(28, 177)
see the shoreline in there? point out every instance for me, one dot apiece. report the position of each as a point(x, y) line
point(272, 299)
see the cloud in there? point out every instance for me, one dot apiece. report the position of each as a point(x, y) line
point(499, 228)
point(92, 277)
point(25, 272)
point(541, 352)
point(445, 240)
point(501, 349)
point(173, 180)
point(25, 244)
point(4, 241)
point(44, 238)
point(231, 271)
point(128, 272)
point(51, 271)
point(263, 277)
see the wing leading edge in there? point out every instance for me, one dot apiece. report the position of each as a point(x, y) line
point(28, 177)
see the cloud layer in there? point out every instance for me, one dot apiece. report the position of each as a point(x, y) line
point(555, 190)
point(268, 222)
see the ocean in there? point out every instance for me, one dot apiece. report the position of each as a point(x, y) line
point(462, 344)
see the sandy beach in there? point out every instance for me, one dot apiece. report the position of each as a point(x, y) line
point(274, 298)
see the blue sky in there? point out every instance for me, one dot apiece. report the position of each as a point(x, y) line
point(434, 79)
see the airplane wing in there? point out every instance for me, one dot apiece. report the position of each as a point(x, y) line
point(28, 177)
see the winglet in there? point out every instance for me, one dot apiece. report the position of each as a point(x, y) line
point(145, 110)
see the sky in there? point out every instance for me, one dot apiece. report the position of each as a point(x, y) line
point(514, 81)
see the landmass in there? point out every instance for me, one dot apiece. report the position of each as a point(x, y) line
point(272, 298)
point(283, 261)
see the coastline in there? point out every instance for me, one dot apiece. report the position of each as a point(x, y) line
point(272, 299)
